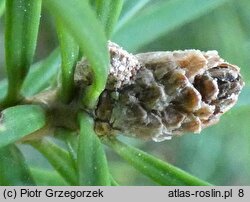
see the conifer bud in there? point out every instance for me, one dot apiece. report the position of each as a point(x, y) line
point(157, 95)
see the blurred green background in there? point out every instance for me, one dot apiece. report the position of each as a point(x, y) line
point(221, 153)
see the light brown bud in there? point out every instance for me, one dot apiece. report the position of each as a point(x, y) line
point(157, 95)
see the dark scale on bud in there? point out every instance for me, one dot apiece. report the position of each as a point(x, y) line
point(157, 95)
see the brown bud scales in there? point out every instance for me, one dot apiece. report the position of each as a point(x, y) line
point(157, 95)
